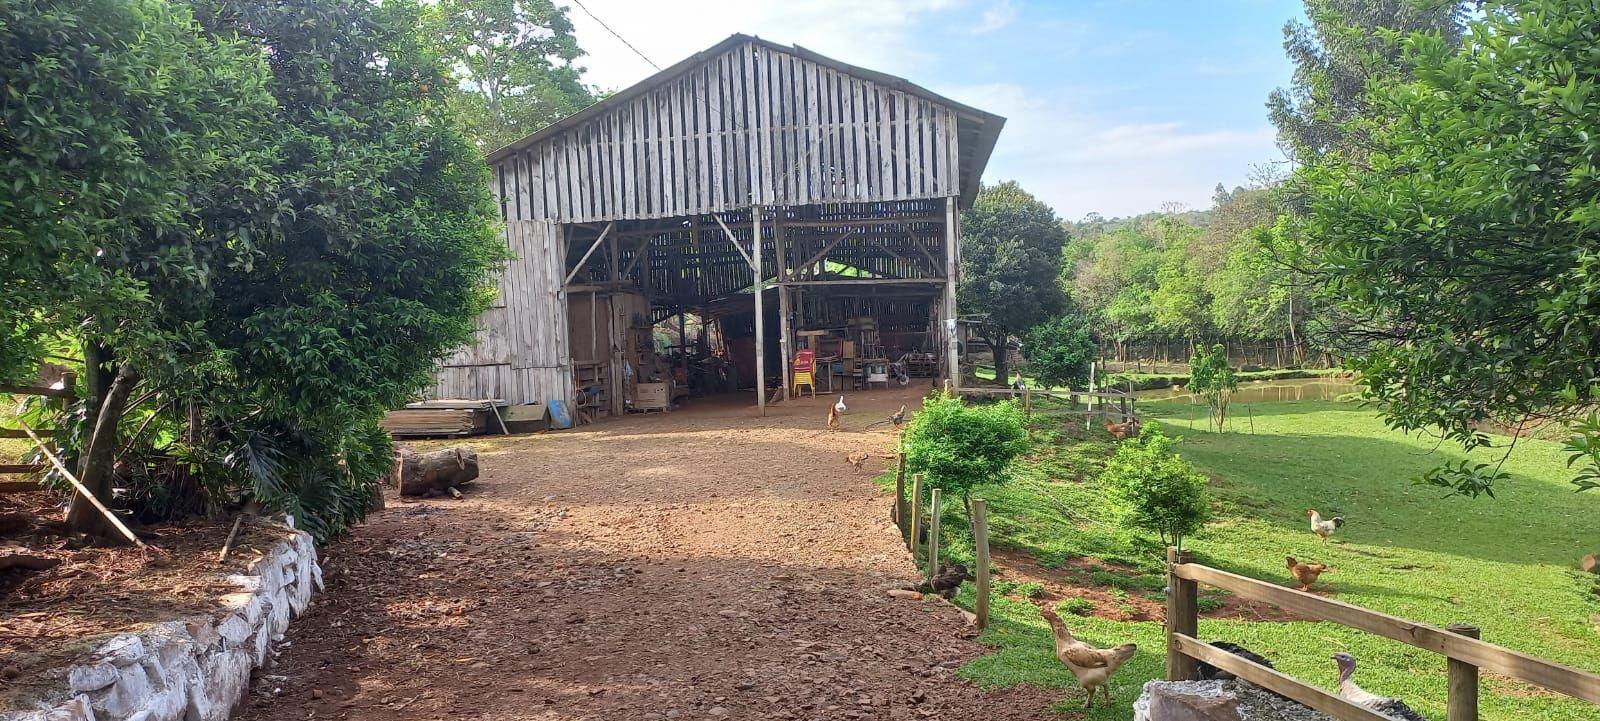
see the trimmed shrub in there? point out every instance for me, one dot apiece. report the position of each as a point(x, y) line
point(958, 447)
point(1159, 491)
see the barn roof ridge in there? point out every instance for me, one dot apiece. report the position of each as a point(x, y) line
point(988, 124)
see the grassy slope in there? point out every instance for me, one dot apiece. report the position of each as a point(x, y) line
point(1507, 565)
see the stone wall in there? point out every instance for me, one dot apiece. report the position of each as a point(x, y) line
point(195, 669)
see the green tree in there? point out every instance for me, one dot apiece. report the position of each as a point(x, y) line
point(378, 253)
point(1158, 490)
point(960, 447)
point(1212, 377)
point(1060, 351)
point(1010, 266)
point(131, 166)
point(1347, 44)
point(1469, 269)
point(514, 66)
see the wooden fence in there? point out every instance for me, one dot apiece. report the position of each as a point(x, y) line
point(69, 382)
point(1460, 644)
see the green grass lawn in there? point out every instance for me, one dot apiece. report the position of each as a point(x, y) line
point(1508, 564)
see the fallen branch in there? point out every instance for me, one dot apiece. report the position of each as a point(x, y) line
point(62, 468)
point(32, 563)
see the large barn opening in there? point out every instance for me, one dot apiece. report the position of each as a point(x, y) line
point(749, 217)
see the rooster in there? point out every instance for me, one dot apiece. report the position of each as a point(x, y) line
point(1092, 666)
point(1391, 707)
point(838, 406)
point(1324, 528)
point(1305, 573)
point(833, 419)
point(858, 459)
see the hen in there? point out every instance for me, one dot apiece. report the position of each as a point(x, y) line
point(1122, 430)
point(946, 582)
point(1392, 707)
point(1209, 672)
point(1092, 666)
point(1321, 527)
point(839, 406)
point(1305, 573)
point(833, 419)
point(858, 459)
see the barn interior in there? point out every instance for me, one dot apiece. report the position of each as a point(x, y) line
point(663, 311)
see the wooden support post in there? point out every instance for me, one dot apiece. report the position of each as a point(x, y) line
point(1027, 401)
point(1183, 616)
point(980, 549)
point(933, 533)
point(1462, 701)
point(785, 342)
point(952, 236)
point(916, 515)
point(900, 496)
point(761, 327)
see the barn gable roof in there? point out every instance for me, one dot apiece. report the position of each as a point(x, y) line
point(975, 130)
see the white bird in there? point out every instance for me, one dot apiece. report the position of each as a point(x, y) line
point(840, 405)
point(1391, 707)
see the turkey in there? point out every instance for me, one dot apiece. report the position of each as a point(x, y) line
point(1391, 707)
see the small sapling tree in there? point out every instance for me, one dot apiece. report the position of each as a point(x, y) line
point(1158, 490)
point(958, 447)
point(1212, 377)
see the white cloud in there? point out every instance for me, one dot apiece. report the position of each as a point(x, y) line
point(1080, 161)
point(996, 16)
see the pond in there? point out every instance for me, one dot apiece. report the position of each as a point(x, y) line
point(1301, 389)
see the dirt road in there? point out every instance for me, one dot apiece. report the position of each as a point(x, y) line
point(705, 564)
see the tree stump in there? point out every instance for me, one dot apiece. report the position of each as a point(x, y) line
point(436, 473)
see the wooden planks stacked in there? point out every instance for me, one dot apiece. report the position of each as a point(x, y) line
point(445, 417)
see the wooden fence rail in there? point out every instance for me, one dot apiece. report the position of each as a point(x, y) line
point(68, 385)
point(1468, 655)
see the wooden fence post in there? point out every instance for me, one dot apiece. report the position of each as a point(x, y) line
point(1183, 616)
point(916, 515)
point(900, 497)
point(1462, 703)
point(980, 552)
point(933, 534)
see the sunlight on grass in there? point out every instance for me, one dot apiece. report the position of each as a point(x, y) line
point(1507, 565)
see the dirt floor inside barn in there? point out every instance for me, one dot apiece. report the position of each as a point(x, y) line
point(702, 564)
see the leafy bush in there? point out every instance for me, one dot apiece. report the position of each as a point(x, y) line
point(959, 447)
point(1159, 491)
point(1077, 606)
point(1059, 352)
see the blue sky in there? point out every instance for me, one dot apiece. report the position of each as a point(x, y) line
point(1112, 107)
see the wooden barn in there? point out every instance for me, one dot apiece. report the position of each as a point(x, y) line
point(695, 232)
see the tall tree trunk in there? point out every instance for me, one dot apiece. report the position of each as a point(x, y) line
point(100, 456)
point(1002, 364)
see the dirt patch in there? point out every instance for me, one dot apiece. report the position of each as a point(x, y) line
point(703, 564)
point(49, 617)
point(1135, 602)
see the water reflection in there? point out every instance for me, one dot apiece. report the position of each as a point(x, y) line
point(1303, 389)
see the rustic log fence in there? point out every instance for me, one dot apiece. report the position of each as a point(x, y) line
point(66, 393)
point(1460, 644)
point(908, 518)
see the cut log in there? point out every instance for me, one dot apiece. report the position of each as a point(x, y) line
point(436, 473)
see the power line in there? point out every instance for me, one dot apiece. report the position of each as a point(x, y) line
point(615, 34)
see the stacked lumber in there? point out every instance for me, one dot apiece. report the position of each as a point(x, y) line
point(444, 417)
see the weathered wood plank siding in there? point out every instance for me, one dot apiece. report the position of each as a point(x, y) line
point(521, 351)
point(753, 125)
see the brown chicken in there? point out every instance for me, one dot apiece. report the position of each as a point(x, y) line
point(1122, 430)
point(833, 419)
point(1305, 573)
point(946, 583)
point(1092, 666)
point(858, 459)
